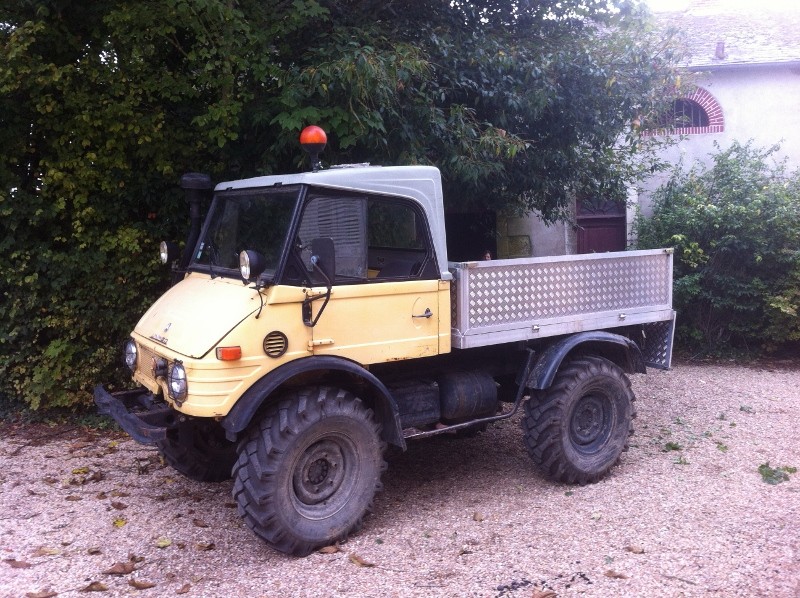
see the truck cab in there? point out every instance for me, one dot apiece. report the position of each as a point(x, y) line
point(385, 296)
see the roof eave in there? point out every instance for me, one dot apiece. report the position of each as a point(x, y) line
point(741, 65)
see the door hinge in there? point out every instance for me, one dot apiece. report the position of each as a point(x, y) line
point(319, 342)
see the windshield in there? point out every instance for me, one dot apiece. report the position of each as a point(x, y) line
point(249, 219)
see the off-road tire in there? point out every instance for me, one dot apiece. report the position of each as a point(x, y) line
point(577, 429)
point(308, 471)
point(200, 451)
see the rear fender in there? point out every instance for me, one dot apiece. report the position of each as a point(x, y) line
point(621, 350)
point(322, 369)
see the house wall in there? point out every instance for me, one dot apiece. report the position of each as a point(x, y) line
point(761, 103)
point(758, 102)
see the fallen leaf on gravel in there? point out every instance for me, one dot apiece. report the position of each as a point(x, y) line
point(329, 549)
point(357, 560)
point(97, 476)
point(45, 551)
point(199, 523)
point(42, 594)
point(635, 549)
point(101, 496)
point(94, 550)
point(73, 498)
point(118, 505)
point(537, 593)
point(120, 521)
point(141, 585)
point(615, 575)
point(15, 564)
point(48, 479)
point(205, 546)
point(163, 542)
point(135, 558)
point(95, 586)
point(120, 569)
point(184, 589)
point(80, 471)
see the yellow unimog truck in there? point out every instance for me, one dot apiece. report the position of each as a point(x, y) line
point(316, 319)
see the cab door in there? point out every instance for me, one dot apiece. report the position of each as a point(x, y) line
point(384, 303)
point(374, 323)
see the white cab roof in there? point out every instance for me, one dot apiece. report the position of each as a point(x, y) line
point(421, 184)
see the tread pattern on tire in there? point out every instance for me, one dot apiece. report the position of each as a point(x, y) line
point(260, 450)
point(546, 418)
point(202, 464)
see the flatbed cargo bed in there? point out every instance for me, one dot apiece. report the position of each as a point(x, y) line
point(503, 301)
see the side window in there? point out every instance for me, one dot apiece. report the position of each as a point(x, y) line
point(344, 220)
point(393, 225)
point(398, 240)
point(375, 238)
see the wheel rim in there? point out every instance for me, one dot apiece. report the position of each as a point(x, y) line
point(589, 426)
point(325, 476)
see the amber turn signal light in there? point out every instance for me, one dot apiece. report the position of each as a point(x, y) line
point(229, 353)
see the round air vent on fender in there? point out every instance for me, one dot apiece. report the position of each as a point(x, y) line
point(275, 344)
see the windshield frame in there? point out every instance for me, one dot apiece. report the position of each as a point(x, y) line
point(217, 203)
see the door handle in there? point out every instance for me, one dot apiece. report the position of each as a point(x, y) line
point(428, 313)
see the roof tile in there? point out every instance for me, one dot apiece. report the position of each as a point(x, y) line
point(725, 32)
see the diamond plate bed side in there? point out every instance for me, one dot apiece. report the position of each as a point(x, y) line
point(525, 298)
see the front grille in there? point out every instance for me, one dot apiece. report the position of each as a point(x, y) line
point(146, 357)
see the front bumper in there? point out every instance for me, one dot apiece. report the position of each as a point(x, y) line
point(138, 413)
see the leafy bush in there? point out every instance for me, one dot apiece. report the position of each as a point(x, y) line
point(735, 227)
point(93, 141)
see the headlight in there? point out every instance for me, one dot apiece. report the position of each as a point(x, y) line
point(244, 265)
point(176, 381)
point(163, 252)
point(251, 264)
point(168, 252)
point(131, 354)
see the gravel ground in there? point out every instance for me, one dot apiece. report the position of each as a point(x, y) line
point(686, 513)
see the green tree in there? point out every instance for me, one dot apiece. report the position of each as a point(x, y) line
point(104, 104)
point(521, 105)
point(735, 227)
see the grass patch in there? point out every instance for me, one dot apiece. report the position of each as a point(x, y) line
point(775, 475)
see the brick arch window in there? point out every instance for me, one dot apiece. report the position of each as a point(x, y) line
point(699, 112)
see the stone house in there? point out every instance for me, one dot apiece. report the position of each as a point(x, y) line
point(744, 62)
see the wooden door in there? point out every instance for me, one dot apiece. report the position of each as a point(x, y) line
point(602, 226)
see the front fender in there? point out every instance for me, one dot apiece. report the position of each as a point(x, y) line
point(621, 350)
point(380, 399)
